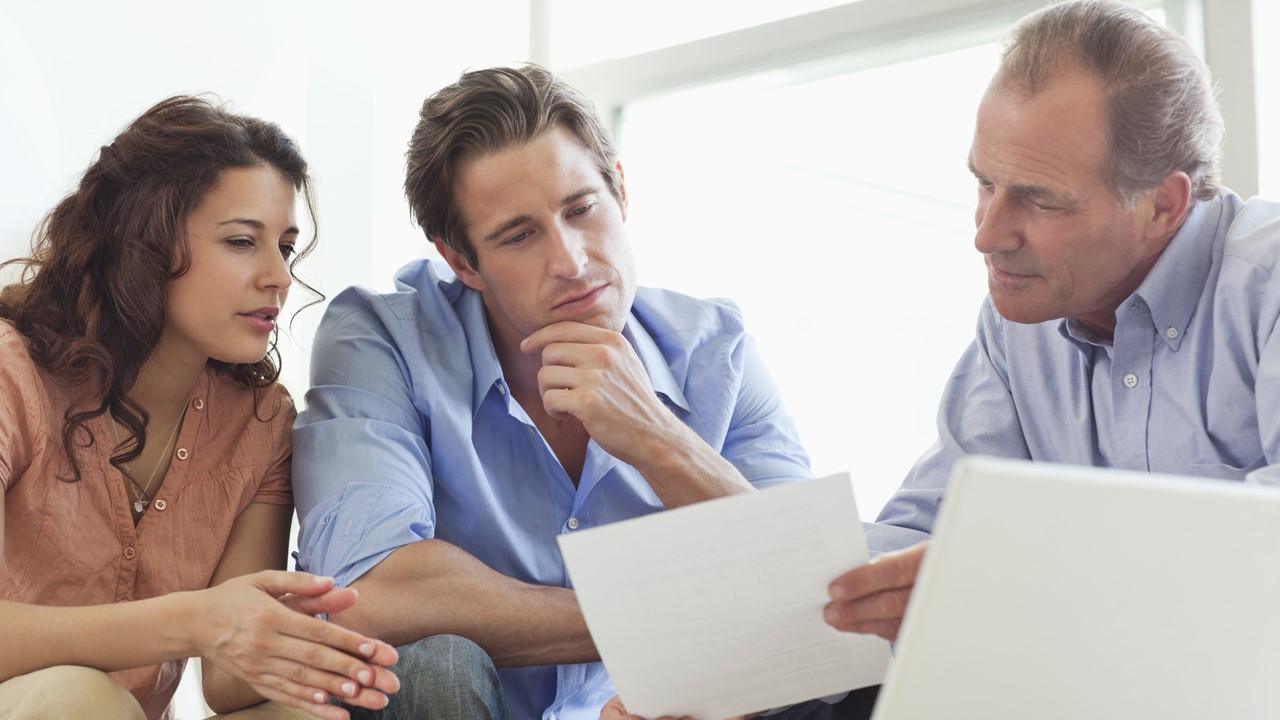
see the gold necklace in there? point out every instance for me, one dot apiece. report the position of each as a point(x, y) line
point(141, 499)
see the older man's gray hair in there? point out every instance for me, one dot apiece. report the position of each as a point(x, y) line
point(1163, 113)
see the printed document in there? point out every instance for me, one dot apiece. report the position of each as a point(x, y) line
point(715, 609)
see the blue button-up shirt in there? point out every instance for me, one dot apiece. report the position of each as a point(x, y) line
point(1190, 384)
point(411, 433)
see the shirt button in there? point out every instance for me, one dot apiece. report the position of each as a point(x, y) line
point(573, 523)
point(198, 403)
point(502, 388)
point(129, 552)
point(1171, 333)
point(1130, 380)
point(160, 504)
point(183, 454)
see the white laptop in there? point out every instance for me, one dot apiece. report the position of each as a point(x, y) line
point(1054, 591)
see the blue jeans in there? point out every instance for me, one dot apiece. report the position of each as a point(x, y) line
point(446, 677)
point(442, 677)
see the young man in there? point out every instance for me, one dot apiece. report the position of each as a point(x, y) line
point(456, 426)
point(1132, 311)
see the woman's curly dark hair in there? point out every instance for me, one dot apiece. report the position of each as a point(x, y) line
point(91, 298)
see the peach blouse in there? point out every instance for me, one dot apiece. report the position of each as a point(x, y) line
point(74, 543)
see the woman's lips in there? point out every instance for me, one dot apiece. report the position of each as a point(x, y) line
point(259, 323)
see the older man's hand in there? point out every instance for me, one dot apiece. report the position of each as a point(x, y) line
point(872, 599)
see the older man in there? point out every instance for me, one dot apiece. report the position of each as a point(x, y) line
point(1132, 309)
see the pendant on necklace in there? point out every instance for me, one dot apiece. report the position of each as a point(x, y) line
point(138, 506)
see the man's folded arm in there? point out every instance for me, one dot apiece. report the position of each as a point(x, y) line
point(365, 495)
point(432, 587)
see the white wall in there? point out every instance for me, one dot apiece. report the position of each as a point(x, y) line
point(345, 79)
point(1266, 22)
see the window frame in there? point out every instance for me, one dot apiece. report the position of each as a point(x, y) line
point(877, 32)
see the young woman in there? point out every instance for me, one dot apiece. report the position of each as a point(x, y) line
point(145, 443)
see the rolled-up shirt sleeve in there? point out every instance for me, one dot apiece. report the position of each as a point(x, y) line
point(977, 416)
point(361, 469)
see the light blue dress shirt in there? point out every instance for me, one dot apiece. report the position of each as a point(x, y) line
point(411, 433)
point(1190, 384)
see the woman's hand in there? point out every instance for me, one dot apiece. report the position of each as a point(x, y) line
point(260, 628)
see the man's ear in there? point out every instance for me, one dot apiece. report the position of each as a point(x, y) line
point(460, 264)
point(622, 189)
point(1170, 202)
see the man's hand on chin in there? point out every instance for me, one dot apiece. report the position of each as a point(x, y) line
point(595, 375)
point(613, 710)
point(872, 599)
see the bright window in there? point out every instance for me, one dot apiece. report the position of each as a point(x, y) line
point(587, 31)
point(834, 206)
point(1266, 20)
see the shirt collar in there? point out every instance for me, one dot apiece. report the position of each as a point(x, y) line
point(655, 363)
point(486, 370)
point(468, 312)
point(1174, 286)
point(1081, 335)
